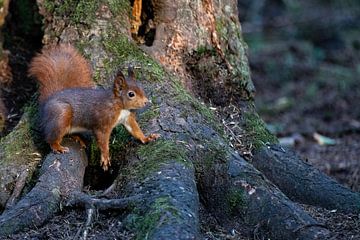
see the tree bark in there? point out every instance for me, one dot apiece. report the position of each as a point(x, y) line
point(303, 183)
point(19, 156)
point(60, 176)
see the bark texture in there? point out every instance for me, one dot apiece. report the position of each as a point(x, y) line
point(60, 176)
point(303, 183)
point(19, 157)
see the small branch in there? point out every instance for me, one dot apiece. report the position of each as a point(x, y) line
point(85, 200)
point(90, 214)
point(80, 199)
point(107, 191)
point(20, 183)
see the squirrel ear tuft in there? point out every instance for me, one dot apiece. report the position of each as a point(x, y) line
point(119, 83)
point(131, 73)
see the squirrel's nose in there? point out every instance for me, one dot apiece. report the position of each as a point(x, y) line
point(146, 101)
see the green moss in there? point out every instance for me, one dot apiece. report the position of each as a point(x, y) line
point(119, 139)
point(144, 224)
point(85, 11)
point(126, 52)
point(157, 153)
point(258, 134)
point(183, 97)
point(49, 5)
point(214, 154)
point(119, 7)
point(204, 50)
point(221, 29)
point(18, 146)
point(150, 114)
point(230, 33)
point(235, 200)
point(78, 11)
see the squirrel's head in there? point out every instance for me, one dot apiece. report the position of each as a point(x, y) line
point(127, 89)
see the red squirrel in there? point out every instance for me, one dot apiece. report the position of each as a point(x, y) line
point(70, 103)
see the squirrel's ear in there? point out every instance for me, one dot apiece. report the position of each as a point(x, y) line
point(131, 73)
point(119, 83)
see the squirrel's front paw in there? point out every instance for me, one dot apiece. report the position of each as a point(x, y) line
point(105, 163)
point(59, 149)
point(153, 137)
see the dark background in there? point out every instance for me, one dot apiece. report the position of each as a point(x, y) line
point(305, 63)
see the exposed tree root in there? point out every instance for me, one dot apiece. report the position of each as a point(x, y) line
point(266, 207)
point(20, 183)
point(170, 208)
point(84, 200)
point(242, 197)
point(304, 183)
point(61, 174)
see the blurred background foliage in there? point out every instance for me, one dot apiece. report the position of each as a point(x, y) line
point(305, 61)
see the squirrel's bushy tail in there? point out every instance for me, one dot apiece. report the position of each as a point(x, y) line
point(58, 68)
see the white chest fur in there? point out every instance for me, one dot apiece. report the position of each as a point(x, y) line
point(123, 116)
point(78, 130)
point(123, 119)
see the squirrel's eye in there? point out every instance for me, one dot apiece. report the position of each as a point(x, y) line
point(131, 94)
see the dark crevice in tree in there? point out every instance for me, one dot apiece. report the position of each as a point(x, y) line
point(209, 77)
point(95, 177)
point(147, 29)
point(23, 34)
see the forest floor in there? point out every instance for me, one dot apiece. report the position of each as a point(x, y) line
point(314, 109)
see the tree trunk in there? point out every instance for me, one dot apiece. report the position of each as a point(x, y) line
point(166, 180)
point(5, 70)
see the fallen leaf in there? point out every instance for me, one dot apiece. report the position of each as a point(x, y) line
point(322, 140)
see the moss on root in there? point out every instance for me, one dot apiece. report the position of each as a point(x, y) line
point(235, 200)
point(119, 7)
point(18, 146)
point(214, 154)
point(153, 155)
point(182, 96)
point(150, 114)
point(144, 224)
point(258, 134)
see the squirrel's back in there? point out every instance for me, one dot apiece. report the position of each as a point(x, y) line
point(58, 68)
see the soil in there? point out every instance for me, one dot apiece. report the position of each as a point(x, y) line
point(70, 225)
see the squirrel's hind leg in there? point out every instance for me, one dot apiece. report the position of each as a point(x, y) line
point(79, 140)
point(102, 138)
point(58, 126)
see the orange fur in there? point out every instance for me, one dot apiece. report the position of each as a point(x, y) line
point(136, 16)
point(58, 68)
point(136, 131)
